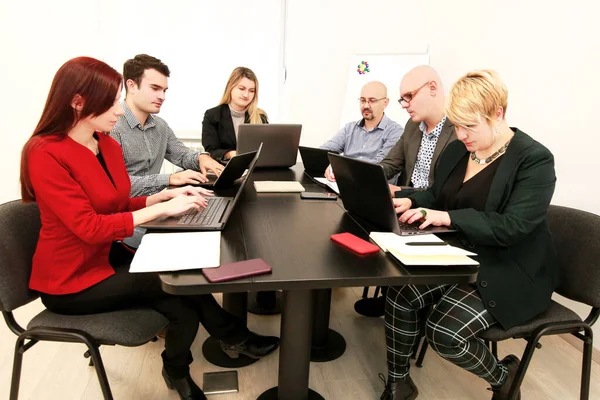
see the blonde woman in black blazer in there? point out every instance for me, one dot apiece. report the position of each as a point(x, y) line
point(493, 185)
point(239, 104)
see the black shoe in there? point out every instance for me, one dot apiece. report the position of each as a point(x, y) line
point(404, 389)
point(501, 392)
point(185, 387)
point(370, 307)
point(255, 346)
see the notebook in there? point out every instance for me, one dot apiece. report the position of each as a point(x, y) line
point(278, 187)
point(237, 270)
point(425, 249)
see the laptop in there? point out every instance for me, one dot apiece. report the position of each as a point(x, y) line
point(280, 143)
point(365, 194)
point(234, 170)
point(212, 218)
point(315, 160)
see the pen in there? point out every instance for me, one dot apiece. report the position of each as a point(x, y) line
point(426, 244)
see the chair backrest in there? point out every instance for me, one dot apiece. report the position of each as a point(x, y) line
point(576, 236)
point(19, 231)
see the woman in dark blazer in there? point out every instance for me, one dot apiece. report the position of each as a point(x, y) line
point(238, 105)
point(494, 186)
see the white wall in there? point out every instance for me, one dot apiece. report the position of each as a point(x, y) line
point(34, 43)
point(547, 52)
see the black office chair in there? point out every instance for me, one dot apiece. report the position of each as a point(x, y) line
point(19, 231)
point(576, 236)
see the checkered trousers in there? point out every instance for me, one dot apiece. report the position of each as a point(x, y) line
point(451, 329)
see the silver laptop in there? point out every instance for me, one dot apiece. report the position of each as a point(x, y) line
point(365, 194)
point(212, 218)
point(280, 143)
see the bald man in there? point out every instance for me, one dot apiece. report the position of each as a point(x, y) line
point(371, 138)
point(426, 134)
point(414, 157)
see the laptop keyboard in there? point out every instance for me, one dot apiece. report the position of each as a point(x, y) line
point(205, 216)
point(405, 226)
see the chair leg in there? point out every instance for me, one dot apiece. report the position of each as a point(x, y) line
point(495, 349)
point(16, 374)
point(586, 364)
point(87, 354)
point(525, 360)
point(100, 371)
point(365, 292)
point(424, 346)
point(377, 289)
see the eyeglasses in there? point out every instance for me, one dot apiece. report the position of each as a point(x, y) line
point(408, 96)
point(363, 101)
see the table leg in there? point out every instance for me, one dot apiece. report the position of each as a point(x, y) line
point(327, 344)
point(264, 303)
point(294, 354)
point(236, 304)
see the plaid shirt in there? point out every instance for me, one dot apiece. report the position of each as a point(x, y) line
point(145, 148)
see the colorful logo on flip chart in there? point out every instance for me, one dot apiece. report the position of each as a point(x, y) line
point(363, 68)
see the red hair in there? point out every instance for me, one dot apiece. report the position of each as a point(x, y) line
point(95, 81)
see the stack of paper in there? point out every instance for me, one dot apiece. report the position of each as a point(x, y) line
point(414, 249)
point(332, 185)
point(159, 252)
point(278, 187)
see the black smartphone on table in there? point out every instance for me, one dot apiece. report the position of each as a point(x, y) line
point(318, 196)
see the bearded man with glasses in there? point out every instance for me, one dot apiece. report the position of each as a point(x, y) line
point(371, 138)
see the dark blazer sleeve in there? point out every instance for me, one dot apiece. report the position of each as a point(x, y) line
point(525, 209)
point(393, 163)
point(210, 133)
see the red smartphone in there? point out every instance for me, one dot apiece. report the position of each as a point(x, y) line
point(354, 243)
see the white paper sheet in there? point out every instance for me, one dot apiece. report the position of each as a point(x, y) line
point(177, 251)
point(278, 187)
point(332, 185)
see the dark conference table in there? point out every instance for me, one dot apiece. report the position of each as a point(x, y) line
point(293, 237)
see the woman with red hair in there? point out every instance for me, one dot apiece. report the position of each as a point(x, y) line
point(76, 174)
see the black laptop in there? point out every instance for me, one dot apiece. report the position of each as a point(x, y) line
point(280, 143)
point(212, 218)
point(365, 194)
point(315, 160)
point(234, 170)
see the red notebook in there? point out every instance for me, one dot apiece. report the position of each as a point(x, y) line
point(236, 270)
point(354, 243)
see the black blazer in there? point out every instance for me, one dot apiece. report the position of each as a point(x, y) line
point(518, 263)
point(403, 156)
point(218, 135)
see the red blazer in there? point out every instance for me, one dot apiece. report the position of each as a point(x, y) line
point(82, 212)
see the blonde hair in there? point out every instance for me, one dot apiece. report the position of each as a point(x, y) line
point(236, 76)
point(477, 94)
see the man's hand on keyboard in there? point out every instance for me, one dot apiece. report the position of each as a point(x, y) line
point(182, 203)
point(187, 177)
point(401, 205)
